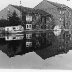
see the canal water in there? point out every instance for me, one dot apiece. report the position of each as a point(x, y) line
point(44, 44)
point(35, 50)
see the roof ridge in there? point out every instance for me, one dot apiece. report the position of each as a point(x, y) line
point(44, 1)
point(56, 4)
point(52, 3)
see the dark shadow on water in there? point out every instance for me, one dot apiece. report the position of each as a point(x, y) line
point(43, 44)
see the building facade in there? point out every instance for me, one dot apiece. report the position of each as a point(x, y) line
point(59, 11)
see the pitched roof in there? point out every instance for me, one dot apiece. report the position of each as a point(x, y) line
point(26, 9)
point(44, 5)
point(50, 4)
point(21, 8)
point(56, 4)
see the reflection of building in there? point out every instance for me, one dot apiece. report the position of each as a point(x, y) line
point(28, 36)
point(28, 40)
point(14, 37)
point(14, 29)
point(28, 44)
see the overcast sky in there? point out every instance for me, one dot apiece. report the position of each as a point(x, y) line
point(30, 3)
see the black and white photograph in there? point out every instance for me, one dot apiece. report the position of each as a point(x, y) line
point(36, 34)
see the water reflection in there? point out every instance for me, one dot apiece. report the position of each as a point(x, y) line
point(14, 37)
point(44, 44)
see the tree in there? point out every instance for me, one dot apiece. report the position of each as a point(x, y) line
point(4, 23)
point(14, 19)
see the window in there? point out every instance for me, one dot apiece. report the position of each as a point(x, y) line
point(28, 18)
point(29, 26)
point(60, 12)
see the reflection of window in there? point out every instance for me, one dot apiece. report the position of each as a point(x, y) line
point(28, 44)
point(28, 36)
point(37, 43)
point(13, 37)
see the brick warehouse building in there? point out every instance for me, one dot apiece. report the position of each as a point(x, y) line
point(23, 11)
point(60, 12)
point(57, 10)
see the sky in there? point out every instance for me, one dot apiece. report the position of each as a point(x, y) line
point(30, 3)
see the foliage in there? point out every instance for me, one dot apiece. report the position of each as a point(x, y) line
point(14, 19)
point(4, 23)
